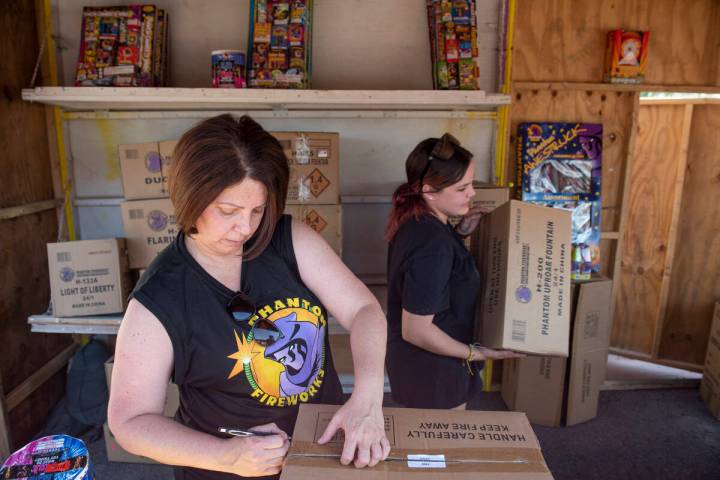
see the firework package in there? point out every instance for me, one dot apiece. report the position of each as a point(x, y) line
point(88, 277)
point(626, 56)
point(125, 46)
point(57, 457)
point(462, 445)
point(559, 166)
point(453, 44)
point(280, 44)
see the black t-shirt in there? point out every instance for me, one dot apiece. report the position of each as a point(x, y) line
point(430, 272)
point(225, 377)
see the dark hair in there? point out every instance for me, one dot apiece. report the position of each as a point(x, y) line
point(437, 162)
point(220, 152)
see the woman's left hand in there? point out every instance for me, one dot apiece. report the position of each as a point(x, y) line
point(364, 427)
point(470, 220)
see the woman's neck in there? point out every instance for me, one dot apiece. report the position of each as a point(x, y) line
point(226, 269)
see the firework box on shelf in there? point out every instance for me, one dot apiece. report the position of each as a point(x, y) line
point(88, 277)
point(149, 228)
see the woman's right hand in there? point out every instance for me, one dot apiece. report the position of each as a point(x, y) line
point(483, 353)
point(256, 456)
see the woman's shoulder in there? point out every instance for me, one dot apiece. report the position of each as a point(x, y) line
point(424, 235)
point(423, 225)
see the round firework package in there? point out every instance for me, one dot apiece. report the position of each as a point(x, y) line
point(57, 457)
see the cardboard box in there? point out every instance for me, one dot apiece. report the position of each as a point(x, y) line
point(490, 196)
point(149, 228)
point(324, 219)
point(555, 391)
point(115, 453)
point(144, 171)
point(172, 396)
point(523, 255)
point(88, 277)
point(710, 385)
point(626, 54)
point(314, 167)
point(425, 444)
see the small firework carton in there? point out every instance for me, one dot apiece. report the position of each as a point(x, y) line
point(626, 56)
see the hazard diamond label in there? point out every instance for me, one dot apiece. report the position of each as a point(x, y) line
point(316, 182)
point(315, 221)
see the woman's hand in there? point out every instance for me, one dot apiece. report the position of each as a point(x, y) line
point(257, 456)
point(364, 427)
point(470, 220)
point(482, 353)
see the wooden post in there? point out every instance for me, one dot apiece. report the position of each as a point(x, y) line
point(5, 438)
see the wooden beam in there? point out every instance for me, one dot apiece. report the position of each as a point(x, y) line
point(649, 358)
point(680, 101)
point(624, 208)
point(649, 384)
point(610, 235)
point(673, 231)
point(22, 391)
point(5, 438)
point(27, 209)
point(616, 88)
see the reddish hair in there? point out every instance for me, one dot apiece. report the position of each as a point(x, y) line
point(436, 162)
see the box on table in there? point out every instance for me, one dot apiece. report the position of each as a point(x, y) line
point(710, 385)
point(88, 277)
point(555, 391)
point(523, 255)
point(145, 168)
point(324, 219)
point(314, 160)
point(149, 227)
point(425, 443)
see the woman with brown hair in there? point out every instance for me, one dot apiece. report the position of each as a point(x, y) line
point(433, 283)
point(234, 312)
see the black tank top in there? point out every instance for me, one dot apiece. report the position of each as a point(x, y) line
point(225, 377)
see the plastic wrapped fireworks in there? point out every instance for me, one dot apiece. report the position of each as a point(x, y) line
point(57, 457)
point(453, 44)
point(280, 44)
point(124, 46)
point(559, 165)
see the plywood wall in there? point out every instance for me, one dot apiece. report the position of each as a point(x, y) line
point(695, 281)
point(657, 158)
point(26, 178)
point(564, 40)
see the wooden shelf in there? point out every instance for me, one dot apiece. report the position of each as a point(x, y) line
point(109, 98)
point(615, 87)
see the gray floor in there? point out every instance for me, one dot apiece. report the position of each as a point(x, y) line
point(644, 434)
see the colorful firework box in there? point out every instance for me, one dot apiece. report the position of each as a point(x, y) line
point(453, 44)
point(125, 46)
point(560, 166)
point(626, 56)
point(57, 457)
point(280, 44)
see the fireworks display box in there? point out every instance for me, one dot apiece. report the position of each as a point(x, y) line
point(314, 160)
point(523, 255)
point(280, 44)
point(88, 277)
point(425, 444)
point(145, 169)
point(555, 391)
point(560, 166)
point(626, 54)
point(149, 228)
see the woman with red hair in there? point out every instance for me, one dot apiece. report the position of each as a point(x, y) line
point(433, 283)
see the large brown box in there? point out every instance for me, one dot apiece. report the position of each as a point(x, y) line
point(145, 168)
point(523, 255)
point(710, 385)
point(314, 167)
point(555, 391)
point(324, 219)
point(462, 445)
point(88, 277)
point(149, 227)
